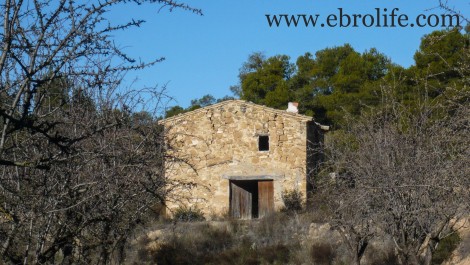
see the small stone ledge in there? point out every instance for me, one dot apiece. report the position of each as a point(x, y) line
point(261, 177)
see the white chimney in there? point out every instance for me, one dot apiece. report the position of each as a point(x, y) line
point(292, 107)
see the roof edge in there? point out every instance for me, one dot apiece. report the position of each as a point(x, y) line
point(272, 110)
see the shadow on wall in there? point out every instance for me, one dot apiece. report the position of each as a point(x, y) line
point(315, 156)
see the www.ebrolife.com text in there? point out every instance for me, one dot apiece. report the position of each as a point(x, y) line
point(379, 18)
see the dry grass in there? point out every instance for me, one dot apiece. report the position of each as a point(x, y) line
point(271, 240)
point(281, 238)
point(322, 253)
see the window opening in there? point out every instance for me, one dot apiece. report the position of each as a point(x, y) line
point(263, 143)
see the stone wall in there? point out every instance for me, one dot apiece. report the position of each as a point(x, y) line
point(215, 144)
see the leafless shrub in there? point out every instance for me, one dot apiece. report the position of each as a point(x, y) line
point(189, 243)
point(322, 253)
point(388, 258)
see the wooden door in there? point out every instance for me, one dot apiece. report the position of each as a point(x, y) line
point(241, 201)
point(265, 197)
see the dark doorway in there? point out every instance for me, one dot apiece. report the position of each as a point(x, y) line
point(251, 198)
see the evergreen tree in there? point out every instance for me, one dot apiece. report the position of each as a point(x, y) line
point(265, 81)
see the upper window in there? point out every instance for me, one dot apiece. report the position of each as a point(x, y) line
point(263, 143)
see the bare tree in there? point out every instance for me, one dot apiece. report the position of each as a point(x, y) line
point(403, 170)
point(444, 5)
point(80, 166)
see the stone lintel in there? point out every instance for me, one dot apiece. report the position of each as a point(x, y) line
point(262, 177)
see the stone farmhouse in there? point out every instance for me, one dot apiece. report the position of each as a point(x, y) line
point(237, 158)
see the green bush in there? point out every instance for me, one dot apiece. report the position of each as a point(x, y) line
point(184, 214)
point(293, 201)
point(445, 248)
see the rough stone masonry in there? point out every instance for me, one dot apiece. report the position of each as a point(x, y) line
point(220, 154)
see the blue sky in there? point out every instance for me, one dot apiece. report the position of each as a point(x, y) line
point(204, 53)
